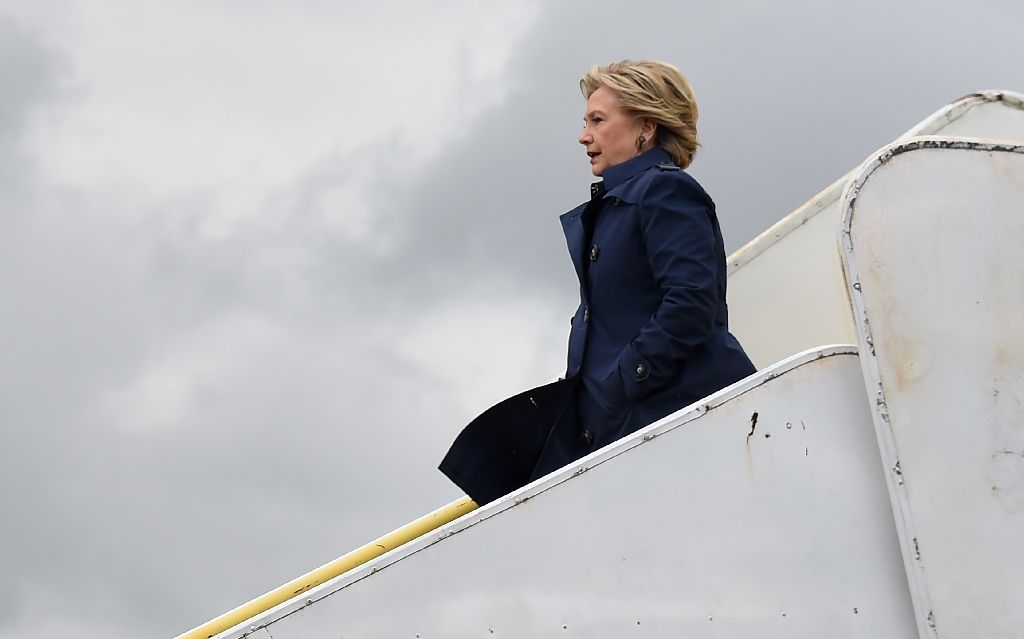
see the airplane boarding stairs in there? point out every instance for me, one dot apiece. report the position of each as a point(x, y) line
point(874, 490)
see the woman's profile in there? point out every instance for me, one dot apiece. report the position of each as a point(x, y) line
point(651, 332)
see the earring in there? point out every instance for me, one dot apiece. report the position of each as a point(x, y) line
point(640, 142)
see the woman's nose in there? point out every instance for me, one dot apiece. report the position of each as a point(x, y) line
point(585, 137)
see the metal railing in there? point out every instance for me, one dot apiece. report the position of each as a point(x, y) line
point(332, 569)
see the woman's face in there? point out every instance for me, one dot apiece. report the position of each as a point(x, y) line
point(609, 133)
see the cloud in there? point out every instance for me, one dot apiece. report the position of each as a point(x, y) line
point(32, 73)
point(178, 378)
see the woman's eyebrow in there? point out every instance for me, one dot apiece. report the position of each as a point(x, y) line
point(593, 113)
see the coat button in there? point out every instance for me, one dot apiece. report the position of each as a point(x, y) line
point(586, 314)
point(588, 438)
point(640, 370)
point(595, 252)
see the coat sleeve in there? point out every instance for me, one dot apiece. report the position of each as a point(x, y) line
point(676, 225)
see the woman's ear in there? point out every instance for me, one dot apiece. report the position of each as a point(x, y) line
point(648, 128)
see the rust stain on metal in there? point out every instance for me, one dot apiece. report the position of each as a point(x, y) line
point(911, 360)
point(1007, 476)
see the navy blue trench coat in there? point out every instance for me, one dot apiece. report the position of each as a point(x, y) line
point(650, 336)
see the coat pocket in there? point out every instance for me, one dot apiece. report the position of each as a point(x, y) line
point(609, 393)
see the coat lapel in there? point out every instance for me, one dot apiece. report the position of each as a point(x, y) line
point(572, 226)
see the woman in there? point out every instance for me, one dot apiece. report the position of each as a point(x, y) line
point(651, 333)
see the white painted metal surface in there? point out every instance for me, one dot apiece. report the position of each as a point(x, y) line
point(705, 524)
point(932, 244)
point(786, 289)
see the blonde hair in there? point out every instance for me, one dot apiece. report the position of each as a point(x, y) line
point(656, 91)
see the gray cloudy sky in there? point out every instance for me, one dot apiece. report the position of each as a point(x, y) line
point(261, 261)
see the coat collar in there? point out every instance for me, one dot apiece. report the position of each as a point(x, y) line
point(616, 175)
point(613, 176)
